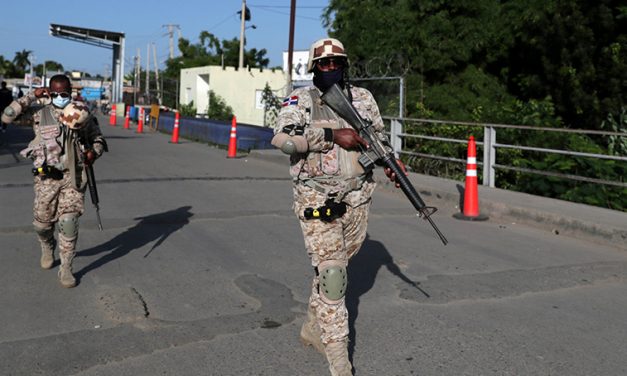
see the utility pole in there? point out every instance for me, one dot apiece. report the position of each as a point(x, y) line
point(154, 55)
point(136, 78)
point(241, 35)
point(171, 34)
point(148, 72)
point(31, 59)
point(290, 49)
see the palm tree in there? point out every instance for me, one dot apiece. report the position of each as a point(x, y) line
point(21, 60)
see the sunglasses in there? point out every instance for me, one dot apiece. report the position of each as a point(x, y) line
point(54, 94)
point(327, 63)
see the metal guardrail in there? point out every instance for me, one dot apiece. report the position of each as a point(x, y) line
point(490, 147)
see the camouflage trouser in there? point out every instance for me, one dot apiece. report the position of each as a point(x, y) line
point(339, 240)
point(54, 198)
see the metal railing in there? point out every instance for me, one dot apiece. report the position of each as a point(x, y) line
point(490, 147)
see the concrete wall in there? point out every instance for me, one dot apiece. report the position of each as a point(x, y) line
point(240, 89)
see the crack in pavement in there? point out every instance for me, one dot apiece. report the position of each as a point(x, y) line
point(443, 289)
point(69, 353)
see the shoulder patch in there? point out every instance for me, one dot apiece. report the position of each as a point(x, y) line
point(289, 101)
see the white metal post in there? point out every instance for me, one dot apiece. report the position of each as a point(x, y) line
point(489, 155)
point(396, 129)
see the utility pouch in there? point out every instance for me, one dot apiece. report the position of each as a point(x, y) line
point(48, 172)
point(327, 213)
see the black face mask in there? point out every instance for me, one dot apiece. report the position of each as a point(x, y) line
point(324, 80)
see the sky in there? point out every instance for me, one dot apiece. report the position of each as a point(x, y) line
point(25, 27)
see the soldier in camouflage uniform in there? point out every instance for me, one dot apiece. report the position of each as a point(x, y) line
point(332, 193)
point(67, 138)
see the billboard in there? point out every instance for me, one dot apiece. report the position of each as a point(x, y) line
point(299, 65)
point(35, 81)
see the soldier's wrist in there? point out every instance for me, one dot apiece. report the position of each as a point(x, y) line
point(328, 134)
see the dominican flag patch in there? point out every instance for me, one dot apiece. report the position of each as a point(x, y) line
point(290, 101)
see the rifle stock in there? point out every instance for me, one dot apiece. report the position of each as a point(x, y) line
point(338, 102)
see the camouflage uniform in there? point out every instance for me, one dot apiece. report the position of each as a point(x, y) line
point(328, 171)
point(56, 146)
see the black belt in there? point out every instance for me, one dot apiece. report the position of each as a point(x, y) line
point(48, 172)
point(327, 213)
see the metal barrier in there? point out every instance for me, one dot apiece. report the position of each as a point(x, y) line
point(218, 132)
point(490, 146)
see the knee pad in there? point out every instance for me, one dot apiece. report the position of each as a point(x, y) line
point(68, 225)
point(333, 281)
point(43, 229)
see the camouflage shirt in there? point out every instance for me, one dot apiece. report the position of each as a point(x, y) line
point(326, 163)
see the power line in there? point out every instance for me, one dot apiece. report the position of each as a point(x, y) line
point(221, 22)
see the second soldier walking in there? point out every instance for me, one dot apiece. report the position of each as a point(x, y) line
point(67, 138)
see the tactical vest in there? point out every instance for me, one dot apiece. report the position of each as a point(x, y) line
point(47, 146)
point(54, 145)
point(334, 170)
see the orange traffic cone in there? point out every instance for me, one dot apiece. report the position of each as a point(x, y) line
point(233, 139)
point(112, 117)
point(127, 117)
point(175, 130)
point(140, 122)
point(471, 196)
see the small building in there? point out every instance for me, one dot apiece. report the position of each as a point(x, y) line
point(241, 89)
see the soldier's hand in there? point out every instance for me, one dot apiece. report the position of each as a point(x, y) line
point(42, 92)
point(89, 156)
point(348, 139)
point(392, 176)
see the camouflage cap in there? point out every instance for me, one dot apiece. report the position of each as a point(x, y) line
point(74, 115)
point(325, 47)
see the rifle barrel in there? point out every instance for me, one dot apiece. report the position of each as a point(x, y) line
point(338, 102)
point(93, 192)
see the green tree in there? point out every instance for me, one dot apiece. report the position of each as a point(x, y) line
point(550, 63)
point(50, 65)
point(6, 67)
point(271, 106)
point(218, 109)
point(572, 51)
point(211, 51)
point(21, 61)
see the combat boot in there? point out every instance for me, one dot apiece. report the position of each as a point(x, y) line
point(47, 253)
point(310, 332)
point(45, 234)
point(65, 271)
point(337, 356)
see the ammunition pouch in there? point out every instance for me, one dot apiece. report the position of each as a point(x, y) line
point(328, 213)
point(48, 172)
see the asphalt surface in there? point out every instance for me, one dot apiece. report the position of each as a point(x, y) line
point(201, 270)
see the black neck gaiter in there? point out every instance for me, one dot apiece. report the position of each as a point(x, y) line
point(324, 80)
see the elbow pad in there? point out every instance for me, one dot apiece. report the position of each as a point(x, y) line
point(11, 112)
point(291, 140)
point(290, 144)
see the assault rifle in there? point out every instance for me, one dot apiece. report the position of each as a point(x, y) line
point(93, 192)
point(91, 178)
point(378, 151)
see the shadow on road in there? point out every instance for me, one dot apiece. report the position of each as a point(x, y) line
point(153, 227)
point(14, 140)
point(362, 272)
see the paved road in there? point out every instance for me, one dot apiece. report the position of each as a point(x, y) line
point(201, 270)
